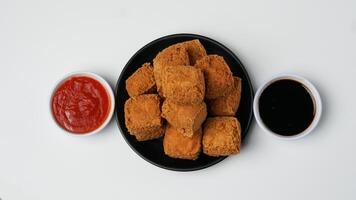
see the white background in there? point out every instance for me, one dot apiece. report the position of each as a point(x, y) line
point(40, 41)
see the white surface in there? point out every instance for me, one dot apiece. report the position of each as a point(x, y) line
point(40, 41)
point(313, 92)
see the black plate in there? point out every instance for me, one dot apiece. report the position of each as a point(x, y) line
point(152, 151)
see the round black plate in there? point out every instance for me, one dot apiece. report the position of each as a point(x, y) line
point(152, 151)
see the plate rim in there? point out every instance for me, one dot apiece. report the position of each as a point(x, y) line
point(219, 159)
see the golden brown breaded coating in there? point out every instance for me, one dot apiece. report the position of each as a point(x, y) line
point(142, 81)
point(143, 113)
point(173, 55)
point(183, 84)
point(150, 134)
point(186, 118)
point(218, 76)
point(227, 105)
point(221, 136)
point(177, 145)
point(195, 50)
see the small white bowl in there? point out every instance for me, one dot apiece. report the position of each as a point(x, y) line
point(313, 92)
point(103, 83)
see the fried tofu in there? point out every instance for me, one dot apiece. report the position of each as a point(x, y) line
point(221, 136)
point(150, 134)
point(183, 84)
point(186, 118)
point(195, 50)
point(186, 80)
point(177, 145)
point(218, 76)
point(173, 55)
point(143, 113)
point(227, 105)
point(141, 82)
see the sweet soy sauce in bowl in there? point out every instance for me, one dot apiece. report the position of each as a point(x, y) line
point(288, 107)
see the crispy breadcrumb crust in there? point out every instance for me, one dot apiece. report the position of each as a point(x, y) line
point(177, 145)
point(150, 134)
point(141, 81)
point(221, 136)
point(218, 76)
point(186, 118)
point(183, 84)
point(195, 50)
point(227, 105)
point(143, 113)
point(171, 56)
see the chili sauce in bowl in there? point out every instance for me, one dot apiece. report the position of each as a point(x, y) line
point(82, 103)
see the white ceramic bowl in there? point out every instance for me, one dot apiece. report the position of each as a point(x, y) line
point(103, 83)
point(313, 92)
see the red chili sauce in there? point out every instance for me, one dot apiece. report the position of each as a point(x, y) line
point(80, 104)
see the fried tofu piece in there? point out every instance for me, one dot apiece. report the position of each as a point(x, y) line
point(186, 118)
point(221, 136)
point(183, 84)
point(195, 50)
point(218, 76)
point(173, 55)
point(150, 134)
point(143, 113)
point(227, 105)
point(142, 81)
point(177, 145)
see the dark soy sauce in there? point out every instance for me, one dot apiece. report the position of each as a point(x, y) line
point(286, 107)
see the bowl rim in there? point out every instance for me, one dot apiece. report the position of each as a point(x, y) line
point(96, 77)
point(311, 89)
point(196, 36)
